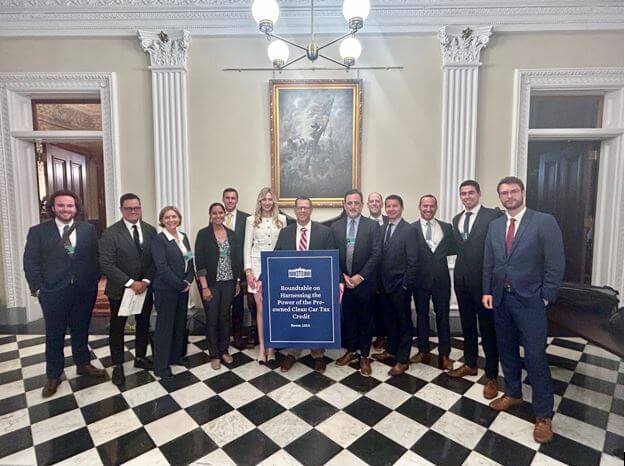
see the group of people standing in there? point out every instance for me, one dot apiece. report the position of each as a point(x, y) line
point(507, 269)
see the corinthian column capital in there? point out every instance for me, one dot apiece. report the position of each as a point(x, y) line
point(461, 46)
point(166, 49)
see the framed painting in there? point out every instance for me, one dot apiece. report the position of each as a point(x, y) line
point(316, 135)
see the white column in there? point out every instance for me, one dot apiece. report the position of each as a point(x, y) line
point(168, 62)
point(461, 60)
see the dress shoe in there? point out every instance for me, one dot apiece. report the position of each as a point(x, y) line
point(346, 359)
point(505, 402)
point(365, 366)
point(118, 377)
point(445, 363)
point(320, 364)
point(398, 369)
point(462, 371)
point(144, 363)
point(226, 358)
point(379, 343)
point(50, 387)
point(383, 357)
point(287, 363)
point(183, 361)
point(543, 432)
point(490, 389)
point(88, 369)
point(164, 375)
point(425, 358)
point(238, 343)
point(215, 364)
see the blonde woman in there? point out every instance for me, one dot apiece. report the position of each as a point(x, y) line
point(261, 234)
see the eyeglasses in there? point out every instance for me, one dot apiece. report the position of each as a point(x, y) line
point(132, 209)
point(508, 193)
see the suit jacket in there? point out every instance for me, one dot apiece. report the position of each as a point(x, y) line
point(172, 270)
point(367, 249)
point(400, 258)
point(433, 270)
point(470, 253)
point(48, 266)
point(320, 238)
point(121, 261)
point(535, 264)
point(207, 254)
point(384, 221)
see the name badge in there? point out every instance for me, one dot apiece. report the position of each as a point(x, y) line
point(465, 236)
point(70, 249)
point(223, 253)
point(351, 241)
point(188, 256)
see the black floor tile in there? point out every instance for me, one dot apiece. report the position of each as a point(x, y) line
point(523, 411)
point(613, 445)
point(309, 361)
point(52, 408)
point(108, 362)
point(31, 342)
point(202, 344)
point(314, 382)
point(559, 387)
point(619, 378)
point(86, 381)
point(367, 410)
point(592, 383)
point(503, 450)
point(407, 383)
point(178, 381)
point(269, 382)
point(421, 411)
point(63, 447)
point(261, 410)
point(599, 361)
point(559, 361)
point(126, 447)
point(223, 382)
point(15, 441)
point(105, 408)
point(8, 339)
point(8, 355)
point(156, 409)
point(136, 379)
point(314, 410)
point(617, 406)
point(474, 411)
point(376, 449)
point(313, 448)
point(38, 381)
point(10, 376)
point(13, 403)
point(207, 410)
point(188, 447)
point(33, 359)
point(197, 359)
point(360, 383)
point(251, 448)
point(583, 412)
point(568, 344)
point(440, 450)
point(454, 384)
point(238, 359)
point(99, 343)
point(570, 452)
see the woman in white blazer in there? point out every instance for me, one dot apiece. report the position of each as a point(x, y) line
point(261, 234)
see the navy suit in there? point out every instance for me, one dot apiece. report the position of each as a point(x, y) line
point(173, 273)
point(519, 281)
point(67, 286)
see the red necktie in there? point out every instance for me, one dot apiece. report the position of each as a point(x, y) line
point(510, 235)
point(303, 243)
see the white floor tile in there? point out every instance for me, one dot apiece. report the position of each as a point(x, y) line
point(89, 457)
point(280, 458)
point(215, 458)
point(475, 459)
point(15, 420)
point(251, 370)
point(596, 372)
point(26, 457)
point(342, 428)
point(192, 394)
point(412, 459)
point(289, 395)
point(459, 429)
point(589, 397)
point(241, 394)
point(339, 395)
point(114, 426)
point(388, 396)
point(170, 427)
point(285, 428)
point(579, 431)
point(515, 428)
point(401, 429)
point(56, 426)
point(228, 427)
point(345, 458)
point(615, 424)
point(438, 396)
point(144, 393)
point(95, 393)
point(152, 458)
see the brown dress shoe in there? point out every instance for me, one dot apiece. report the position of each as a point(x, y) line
point(365, 366)
point(320, 364)
point(287, 363)
point(383, 357)
point(543, 432)
point(505, 402)
point(379, 343)
point(425, 358)
point(346, 359)
point(445, 363)
point(398, 369)
point(462, 371)
point(91, 371)
point(490, 389)
point(50, 387)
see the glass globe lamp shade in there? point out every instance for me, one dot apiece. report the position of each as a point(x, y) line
point(278, 53)
point(266, 13)
point(350, 50)
point(355, 12)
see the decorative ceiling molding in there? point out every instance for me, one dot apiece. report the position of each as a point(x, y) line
point(233, 17)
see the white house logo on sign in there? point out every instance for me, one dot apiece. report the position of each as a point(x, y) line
point(300, 273)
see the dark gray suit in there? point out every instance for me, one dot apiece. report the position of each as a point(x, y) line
point(237, 302)
point(121, 261)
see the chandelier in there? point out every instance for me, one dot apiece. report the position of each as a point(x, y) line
point(266, 13)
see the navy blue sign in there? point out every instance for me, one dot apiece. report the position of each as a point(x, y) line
point(301, 299)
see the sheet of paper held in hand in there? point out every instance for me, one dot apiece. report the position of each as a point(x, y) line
point(131, 303)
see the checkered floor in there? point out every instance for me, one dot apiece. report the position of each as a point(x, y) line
point(248, 414)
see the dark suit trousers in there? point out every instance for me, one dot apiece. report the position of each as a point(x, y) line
point(357, 318)
point(379, 328)
point(440, 299)
point(473, 313)
point(237, 314)
point(117, 325)
point(170, 333)
point(398, 323)
point(217, 312)
point(68, 307)
point(524, 321)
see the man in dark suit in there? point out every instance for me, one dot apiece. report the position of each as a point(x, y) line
point(304, 235)
point(235, 221)
point(436, 242)
point(374, 205)
point(470, 228)
point(358, 241)
point(523, 269)
point(62, 270)
point(398, 274)
point(126, 261)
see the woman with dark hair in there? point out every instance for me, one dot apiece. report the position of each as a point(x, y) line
point(219, 265)
point(172, 256)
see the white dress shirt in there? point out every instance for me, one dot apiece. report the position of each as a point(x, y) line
point(178, 240)
point(437, 233)
point(474, 211)
point(61, 226)
point(299, 235)
point(379, 219)
point(517, 217)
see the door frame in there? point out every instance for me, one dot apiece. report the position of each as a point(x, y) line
point(18, 183)
point(608, 245)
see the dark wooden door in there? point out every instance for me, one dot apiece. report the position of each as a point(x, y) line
point(66, 170)
point(562, 181)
